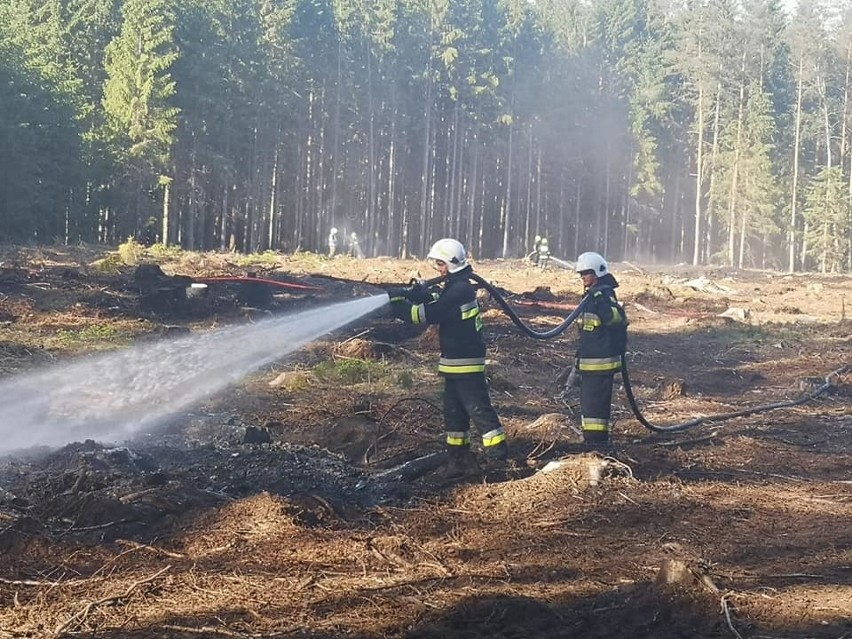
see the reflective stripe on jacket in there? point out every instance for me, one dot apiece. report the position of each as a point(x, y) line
point(457, 314)
point(601, 332)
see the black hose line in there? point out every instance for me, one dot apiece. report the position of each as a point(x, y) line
point(830, 381)
point(519, 322)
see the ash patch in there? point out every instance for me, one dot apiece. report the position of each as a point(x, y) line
point(97, 493)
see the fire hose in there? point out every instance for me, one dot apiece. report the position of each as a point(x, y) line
point(830, 380)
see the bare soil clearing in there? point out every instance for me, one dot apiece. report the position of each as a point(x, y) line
point(273, 510)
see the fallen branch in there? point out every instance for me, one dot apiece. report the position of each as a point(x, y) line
point(727, 610)
point(108, 524)
point(225, 632)
point(137, 546)
point(208, 630)
point(356, 336)
point(686, 442)
point(31, 582)
point(415, 468)
point(80, 616)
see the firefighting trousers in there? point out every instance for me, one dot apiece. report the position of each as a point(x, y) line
point(466, 399)
point(596, 407)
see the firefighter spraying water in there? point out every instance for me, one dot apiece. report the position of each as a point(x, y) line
point(455, 310)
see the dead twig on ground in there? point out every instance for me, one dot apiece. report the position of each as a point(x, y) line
point(726, 609)
point(388, 433)
point(210, 630)
point(356, 336)
point(81, 615)
point(108, 524)
point(687, 442)
point(225, 632)
point(32, 582)
point(137, 546)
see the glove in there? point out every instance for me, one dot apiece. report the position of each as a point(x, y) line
point(419, 294)
point(397, 294)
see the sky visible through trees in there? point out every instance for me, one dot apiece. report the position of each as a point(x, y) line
point(700, 131)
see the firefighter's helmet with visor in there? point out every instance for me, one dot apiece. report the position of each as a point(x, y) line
point(451, 252)
point(591, 261)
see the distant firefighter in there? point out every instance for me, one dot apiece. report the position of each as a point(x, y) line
point(533, 256)
point(355, 247)
point(332, 241)
point(543, 253)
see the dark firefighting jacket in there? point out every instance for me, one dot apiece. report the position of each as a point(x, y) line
point(456, 312)
point(603, 330)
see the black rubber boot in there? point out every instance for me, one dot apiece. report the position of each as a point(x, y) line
point(597, 441)
point(461, 464)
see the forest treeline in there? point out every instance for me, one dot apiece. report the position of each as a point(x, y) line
point(701, 131)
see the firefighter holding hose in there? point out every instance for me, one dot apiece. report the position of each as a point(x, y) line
point(603, 339)
point(455, 310)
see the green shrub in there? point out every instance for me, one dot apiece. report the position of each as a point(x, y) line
point(131, 252)
point(350, 371)
point(158, 251)
point(88, 335)
point(109, 264)
point(405, 379)
point(267, 258)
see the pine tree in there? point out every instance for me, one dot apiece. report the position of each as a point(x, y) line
point(138, 100)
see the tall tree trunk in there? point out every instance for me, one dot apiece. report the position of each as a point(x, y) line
point(831, 205)
point(335, 143)
point(791, 265)
point(453, 144)
point(711, 189)
point(625, 237)
point(371, 159)
point(528, 212)
point(226, 214)
point(735, 169)
point(474, 240)
point(392, 232)
point(460, 179)
point(507, 206)
point(676, 202)
point(273, 202)
point(193, 206)
point(562, 212)
point(699, 174)
point(165, 232)
point(427, 149)
point(604, 210)
point(538, 221)
point(507, 203)
point(577, 217)
point(743, 224)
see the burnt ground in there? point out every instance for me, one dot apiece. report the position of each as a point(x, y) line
point(280, 508)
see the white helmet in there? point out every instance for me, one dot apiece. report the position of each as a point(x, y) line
point(544, 240)
point(450, 251)
point(354, 235)
point(591, 261)
point(538, 238)
point(333, 230)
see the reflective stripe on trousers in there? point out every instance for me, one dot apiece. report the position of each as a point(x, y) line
point(461, 365)
point(599, 364)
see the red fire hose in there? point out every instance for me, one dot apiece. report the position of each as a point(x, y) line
point(259, 280)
